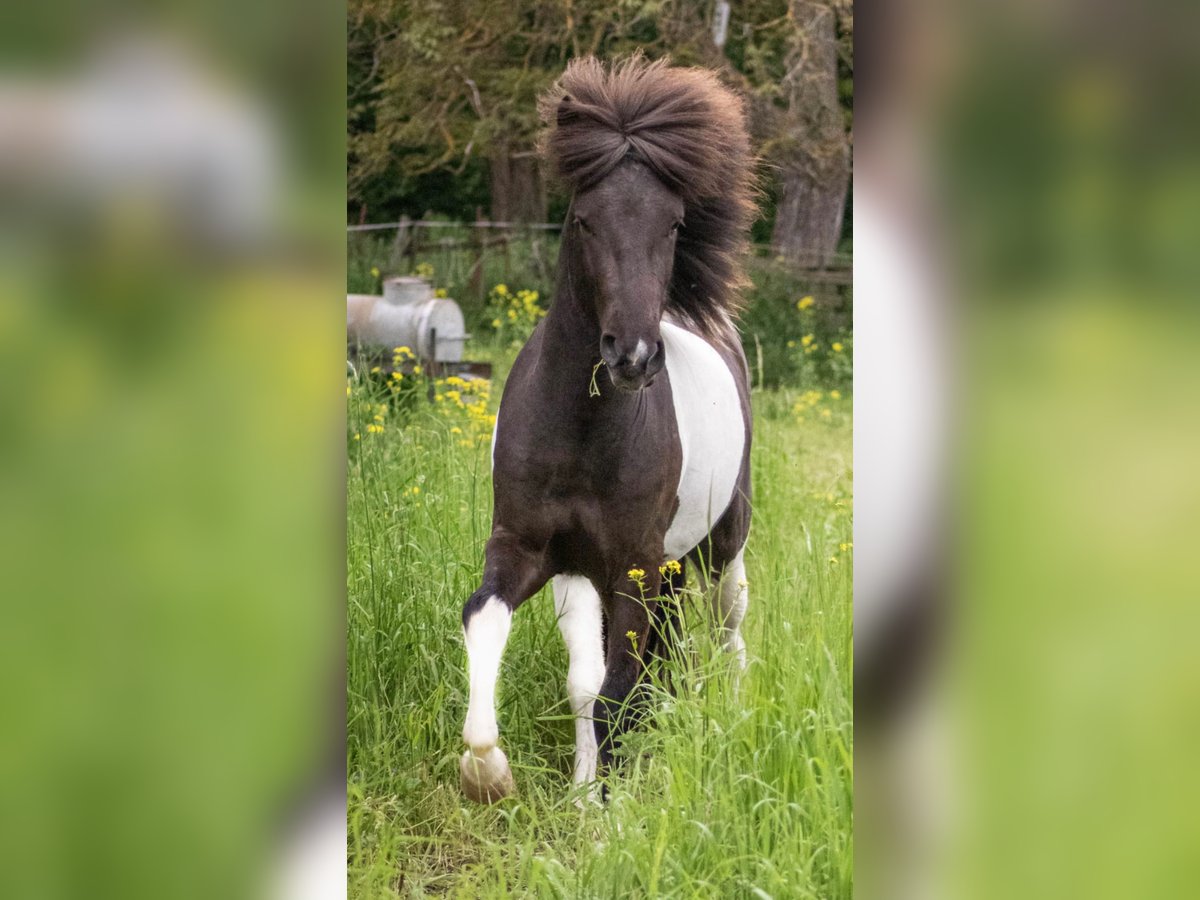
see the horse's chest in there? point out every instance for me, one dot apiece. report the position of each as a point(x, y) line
point(712, 436)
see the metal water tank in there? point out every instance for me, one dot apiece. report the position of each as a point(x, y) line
point(407, 315)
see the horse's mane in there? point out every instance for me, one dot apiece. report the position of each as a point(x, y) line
point(690, 130)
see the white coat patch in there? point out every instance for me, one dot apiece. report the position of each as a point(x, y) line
point(712, 435)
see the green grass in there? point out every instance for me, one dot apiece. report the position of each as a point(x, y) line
point(722, 796)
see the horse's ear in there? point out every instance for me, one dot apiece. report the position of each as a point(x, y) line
point(564, 109)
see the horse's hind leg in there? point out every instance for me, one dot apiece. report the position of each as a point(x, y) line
point(510, 576)
point(728, 593)
point(579, 619)
point(730, 599)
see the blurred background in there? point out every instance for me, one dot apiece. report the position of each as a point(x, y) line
point(1026, 678)
point(171, 256)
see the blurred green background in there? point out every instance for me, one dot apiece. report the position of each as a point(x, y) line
point(171, 336)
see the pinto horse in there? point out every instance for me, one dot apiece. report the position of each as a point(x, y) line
point(623, 436)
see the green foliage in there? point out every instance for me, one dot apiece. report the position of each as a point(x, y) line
point(436, 90)
point(796, 332)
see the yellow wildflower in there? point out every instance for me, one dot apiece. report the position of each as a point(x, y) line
point(835, 395)
point(671, 567)
point(416, 370)
point(845, 545)
point(791, 344)
point(637, 575)
point(374, 271)
point(837, 347)
point(440, 293)
point(374, 429)
point(806, 340)
point(375, 370)
point(805, 303)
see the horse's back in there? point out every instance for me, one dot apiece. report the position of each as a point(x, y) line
point(709, 388)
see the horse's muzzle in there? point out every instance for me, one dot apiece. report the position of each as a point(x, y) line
point(632, 365)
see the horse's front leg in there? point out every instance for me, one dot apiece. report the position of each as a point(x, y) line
point(512, 573)
point(577, 604)
point(619, 706)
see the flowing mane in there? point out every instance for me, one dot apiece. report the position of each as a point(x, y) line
point(690, 130)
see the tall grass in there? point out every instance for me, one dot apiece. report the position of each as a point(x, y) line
point(724, 794)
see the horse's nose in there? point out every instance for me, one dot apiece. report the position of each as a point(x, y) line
point(631, 355)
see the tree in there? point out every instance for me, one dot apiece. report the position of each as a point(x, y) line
point(813, 149)
point(445, 93)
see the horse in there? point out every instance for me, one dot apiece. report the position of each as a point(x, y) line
point(604, 480)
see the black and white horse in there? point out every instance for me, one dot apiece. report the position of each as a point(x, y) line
point(601, 472)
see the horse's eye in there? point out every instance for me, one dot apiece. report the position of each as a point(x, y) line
point(675, 226)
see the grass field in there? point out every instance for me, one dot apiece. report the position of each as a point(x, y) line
point(722, 796)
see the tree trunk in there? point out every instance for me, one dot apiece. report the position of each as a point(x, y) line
point(816, 158)
point(518, 191)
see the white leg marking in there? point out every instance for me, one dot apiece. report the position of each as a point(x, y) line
point(578, 607)
point(486, 634)
point(730, 599)
point(483, 769)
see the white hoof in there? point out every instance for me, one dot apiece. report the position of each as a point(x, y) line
point(486, 778)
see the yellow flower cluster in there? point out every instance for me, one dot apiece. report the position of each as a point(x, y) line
point(805, 303)
point(672, 567)
point(808, 401)
point(465, 401)
point(637, 575)
point(423, 270)
point(514, 312)
point(811, 402)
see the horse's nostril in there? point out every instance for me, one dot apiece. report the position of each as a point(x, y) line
point(655, 363)
point(608, 349)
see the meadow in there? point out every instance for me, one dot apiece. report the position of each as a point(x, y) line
point(724, 794)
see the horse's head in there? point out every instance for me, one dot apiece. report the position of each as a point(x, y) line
point(625, 227)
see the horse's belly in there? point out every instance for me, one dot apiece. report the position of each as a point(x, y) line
point(712, 435)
